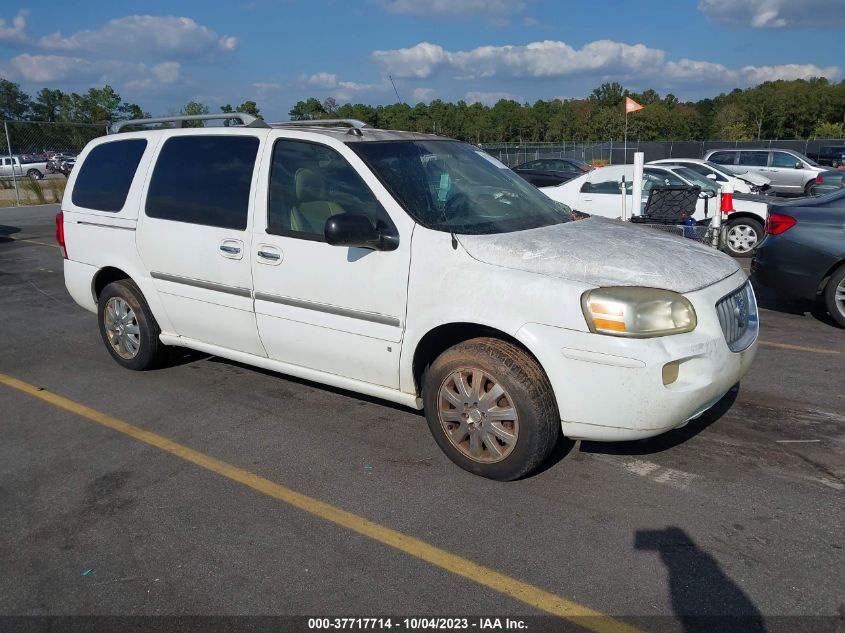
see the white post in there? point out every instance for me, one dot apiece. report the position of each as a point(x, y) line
point(625, 159)
point(637, 193)
point(624, 200)
point(12, 161)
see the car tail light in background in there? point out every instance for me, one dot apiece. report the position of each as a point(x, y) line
point(819, 180)
point(60, 232)
point(777, 223)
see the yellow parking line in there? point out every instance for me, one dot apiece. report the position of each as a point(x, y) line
point(799, 348)
point(522, 591)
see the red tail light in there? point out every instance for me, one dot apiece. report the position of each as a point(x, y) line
point(778, 223)
point(60, 232)
point(819, 180)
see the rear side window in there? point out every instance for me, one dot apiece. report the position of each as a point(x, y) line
point(203, 180)
point(106, 174)
point(723, 158)
point(754, 159)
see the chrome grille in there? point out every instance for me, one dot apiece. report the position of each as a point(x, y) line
point(738, 317)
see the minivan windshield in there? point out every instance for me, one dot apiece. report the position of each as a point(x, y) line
point(454, 187)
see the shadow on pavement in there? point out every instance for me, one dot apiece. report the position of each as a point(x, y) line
point(703, 597)
point(768, 300)
point(670, 439)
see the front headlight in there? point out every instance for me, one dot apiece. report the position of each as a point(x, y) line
point(637, 312)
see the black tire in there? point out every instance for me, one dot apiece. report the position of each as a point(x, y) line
point(525, 386)
point(835, 307)
point(808, 188)
point(35, 174)
point(150, 350)
point(743, 226)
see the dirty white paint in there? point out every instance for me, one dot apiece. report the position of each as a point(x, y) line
point(604, 252)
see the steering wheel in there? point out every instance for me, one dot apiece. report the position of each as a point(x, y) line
point(455, 201)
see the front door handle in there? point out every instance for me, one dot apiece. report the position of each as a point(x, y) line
point(232, 249)
point(268, 254)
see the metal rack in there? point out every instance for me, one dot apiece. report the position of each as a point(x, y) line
point(247, 120)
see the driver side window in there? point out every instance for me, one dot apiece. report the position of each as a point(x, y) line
point(310, 183)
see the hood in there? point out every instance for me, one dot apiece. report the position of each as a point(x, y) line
point(602, 252)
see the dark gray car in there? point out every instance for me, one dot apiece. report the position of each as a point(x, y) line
point(803, 254)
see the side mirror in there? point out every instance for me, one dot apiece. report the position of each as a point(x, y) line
point(357, 231)
point(799, 166)
point(711, 176)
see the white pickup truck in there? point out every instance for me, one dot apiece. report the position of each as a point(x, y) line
point(21, 166)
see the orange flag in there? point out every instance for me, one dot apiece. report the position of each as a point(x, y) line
point(631, 105)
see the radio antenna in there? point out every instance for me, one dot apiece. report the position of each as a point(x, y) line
point(398, 98)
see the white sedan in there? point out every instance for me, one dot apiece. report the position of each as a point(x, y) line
point(599, 193)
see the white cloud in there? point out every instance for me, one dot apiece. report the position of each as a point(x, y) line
point(759, 74)
point(489, 98)
point(134, 76)
point(774, 14)
point(48, 68)
point(147, 35)
point(424, 94)
point(329, 81)
point(603, 59)
point(441, 8)
point(15, 32)
point(537, 59)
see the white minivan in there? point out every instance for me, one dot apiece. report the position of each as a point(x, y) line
point(404, 266)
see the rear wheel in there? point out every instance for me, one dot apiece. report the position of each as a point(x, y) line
point(35, 174)
point(742, 237)
point(127, 327)
point(808, 188)
point(834, 296)
point(491, 409)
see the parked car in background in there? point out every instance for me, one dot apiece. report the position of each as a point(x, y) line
point(788, 171)
point(21, 166)
point(598, 193)
point(741, 180)
point(828, 182)
point(803, 256)
point(833, 155)
point(61, 163)
point(547, 172)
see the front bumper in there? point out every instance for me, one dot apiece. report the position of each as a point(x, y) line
point(612, 389)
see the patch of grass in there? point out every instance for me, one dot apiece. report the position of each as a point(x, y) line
point(58, 190)
point(34, 187)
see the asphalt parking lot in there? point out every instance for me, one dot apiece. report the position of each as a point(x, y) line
point(253, 493)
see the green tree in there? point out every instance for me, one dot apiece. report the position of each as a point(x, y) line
point(307, 110)
point(608, 95)
point(825, 129)
point(14, 102)
point(47, 105)
point(194, 108)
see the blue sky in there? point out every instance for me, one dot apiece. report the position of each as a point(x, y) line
point(163, 54)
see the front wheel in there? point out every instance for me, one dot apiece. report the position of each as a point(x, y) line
point(128, 327)
point(742, 237)
point(491, 409)
point(834, 296)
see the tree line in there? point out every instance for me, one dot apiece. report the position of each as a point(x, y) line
point(797, 109)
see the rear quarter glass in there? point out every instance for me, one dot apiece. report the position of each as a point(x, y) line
point(105, 176)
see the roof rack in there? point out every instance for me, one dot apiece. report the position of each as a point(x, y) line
point(247, 120)
point(351, 123)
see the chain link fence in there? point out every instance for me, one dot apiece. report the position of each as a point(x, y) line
point(612, 152)
point(37, 157)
